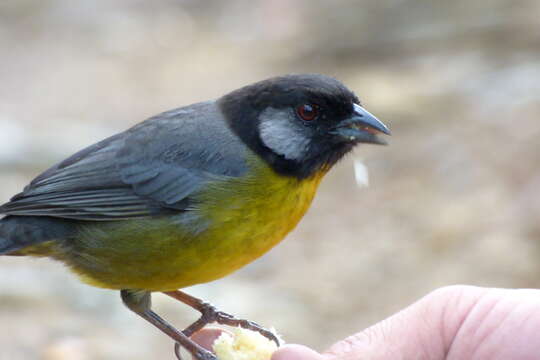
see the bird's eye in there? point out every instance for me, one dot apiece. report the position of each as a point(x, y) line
point(308, 112)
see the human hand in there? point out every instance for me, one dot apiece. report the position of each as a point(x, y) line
point(457, 322)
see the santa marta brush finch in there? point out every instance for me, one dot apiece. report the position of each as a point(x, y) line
point(190, 195)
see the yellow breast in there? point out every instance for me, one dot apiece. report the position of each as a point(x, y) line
point(251, 215)
point(234, 221)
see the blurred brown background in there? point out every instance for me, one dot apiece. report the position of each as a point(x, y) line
point(453, 199)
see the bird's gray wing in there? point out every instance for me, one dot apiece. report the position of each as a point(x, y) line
point(150, 169)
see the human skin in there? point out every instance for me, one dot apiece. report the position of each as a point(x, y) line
point(456, 322)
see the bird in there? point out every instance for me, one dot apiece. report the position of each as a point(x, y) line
point(190, 195)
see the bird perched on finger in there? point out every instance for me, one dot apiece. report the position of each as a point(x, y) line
point(190, 195)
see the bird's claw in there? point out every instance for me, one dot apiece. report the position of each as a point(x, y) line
point(199, 355)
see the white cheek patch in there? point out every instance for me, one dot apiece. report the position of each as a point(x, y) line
point(280, 132)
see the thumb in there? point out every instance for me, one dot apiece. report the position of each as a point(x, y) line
point(296, 352)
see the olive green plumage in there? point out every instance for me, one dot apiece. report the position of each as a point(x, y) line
point(170, 252)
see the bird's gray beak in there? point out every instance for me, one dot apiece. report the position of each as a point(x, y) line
point(362, 127)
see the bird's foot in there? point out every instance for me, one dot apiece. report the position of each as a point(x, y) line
point(198, 355)
point(211, 315)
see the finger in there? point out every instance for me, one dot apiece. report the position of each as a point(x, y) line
point(206, 337)
point(424, 330)
point(296, 352)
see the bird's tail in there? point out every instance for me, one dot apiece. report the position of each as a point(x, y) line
point(20, 232)
point(5, 246)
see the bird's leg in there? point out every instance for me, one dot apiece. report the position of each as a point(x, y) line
point(140, 303)
point(209, 314)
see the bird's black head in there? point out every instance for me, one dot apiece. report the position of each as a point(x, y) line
point(300, 124)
